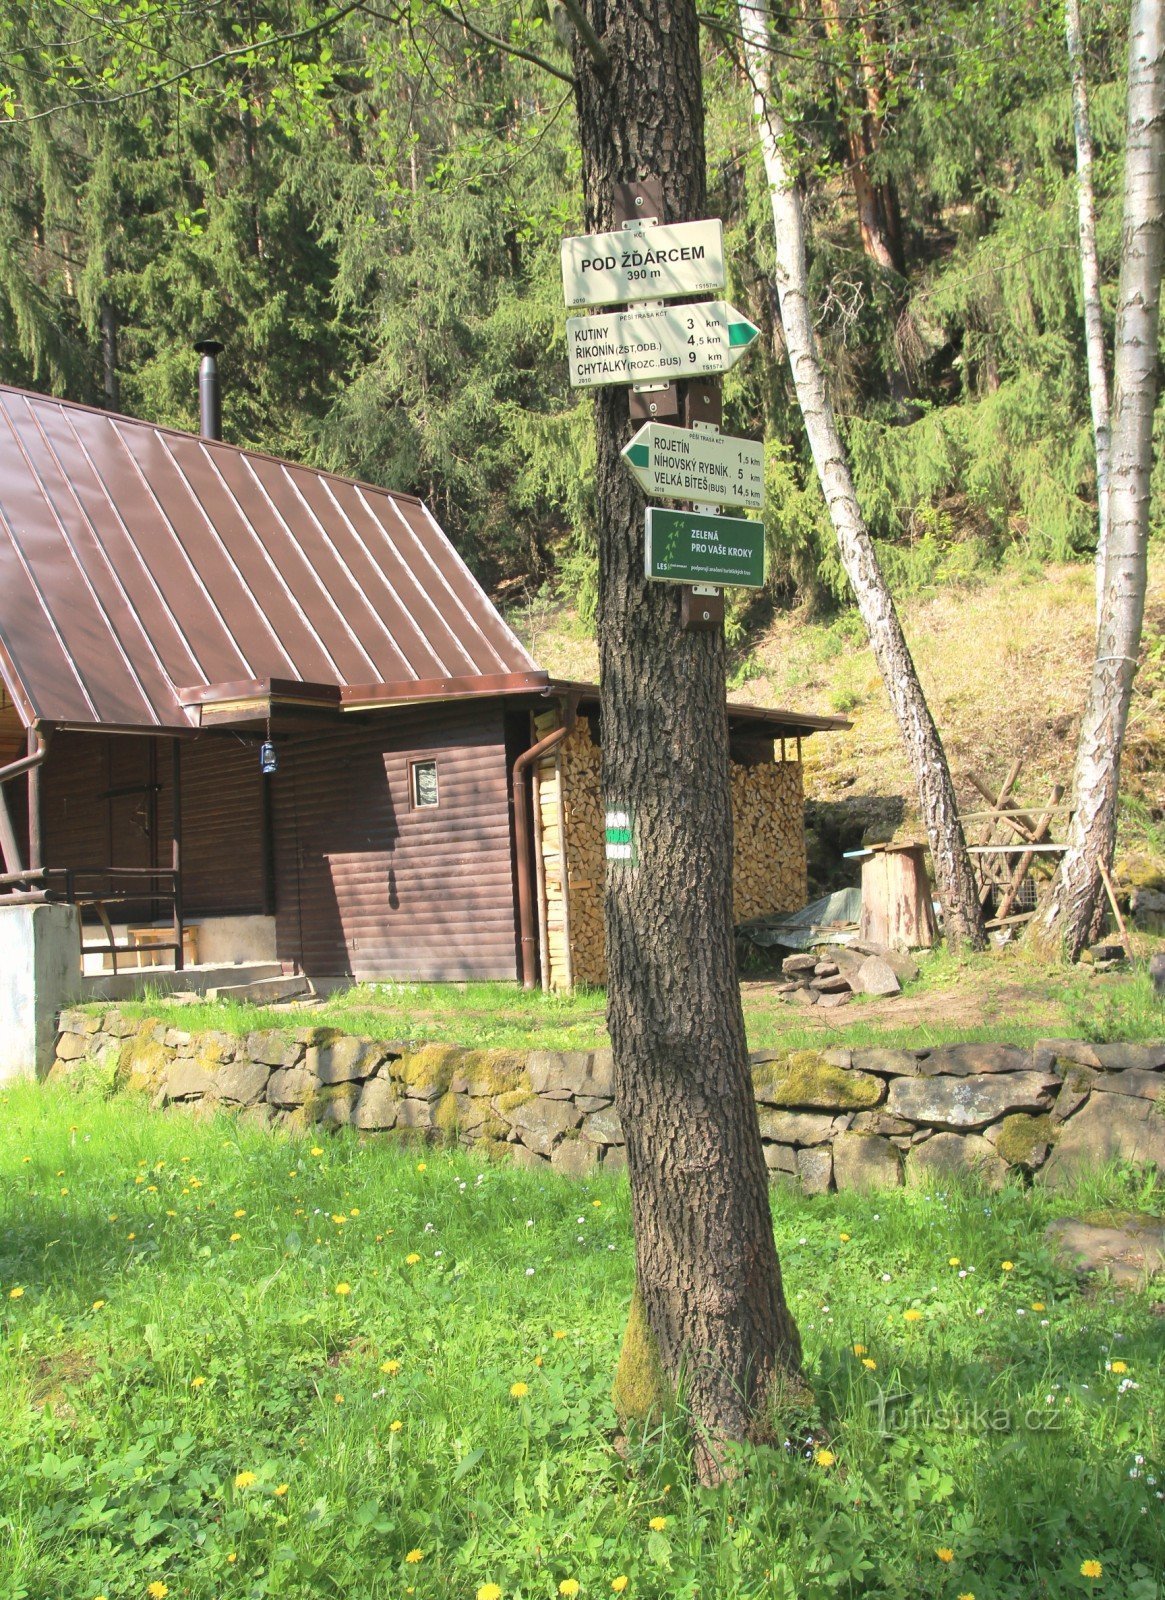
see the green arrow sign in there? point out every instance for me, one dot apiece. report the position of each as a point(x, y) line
point(690, 547)
point(686, 464)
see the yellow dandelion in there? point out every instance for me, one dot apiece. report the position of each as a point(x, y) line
point(131, 1236)
point(489, 1591)
point(280, 1490)
point(171, 1213)
point(869, 1364)
point(1118, 1366)
point(414, 1556)
point(569, 1587)
point(232, 1558)
point(240, 1212)
point(395, 1427)
point(316, 1151)
point(1038, 1305)
point(421, 1167)
point(859, 1349)
point(1008, 1266)
point(157, 1590)
point(596, 1204)
point(824, 1458)
point(244, 1480)
point(65, 1191)
point(519, 1391)
point(1090, 1569)
point(339, 1399)
point(953, 1262)
point(112, 1216)
point(235, 1237)
point(619, 1583)
point(967, 1596)
point(141, 1178)
point(412, 1258)
point(343, 1288)
point(355, 1211)
point(16, 1294)
point(913, 1315)
point(339, 1221)
point(657, 1524)
point(844, 1237)
point(197, 1383)
point(560, 1333)
point(391, 1367)
point(946, 1555)
point(97, 1304)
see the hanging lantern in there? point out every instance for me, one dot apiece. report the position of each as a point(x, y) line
point(268, 758)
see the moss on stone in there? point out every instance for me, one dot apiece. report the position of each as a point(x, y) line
point(141, 1063)
point(511, 1100)
point(641, 1390)
point(430, 1067)
point(806, 1080)
point(1023, 1139)
point(447, 1117)
point(489, 1072)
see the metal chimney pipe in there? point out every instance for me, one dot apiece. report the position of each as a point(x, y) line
point(209, 393)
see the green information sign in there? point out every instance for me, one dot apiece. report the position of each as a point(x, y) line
point(694, 547)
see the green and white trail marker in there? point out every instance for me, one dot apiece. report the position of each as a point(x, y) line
point(620, 842)
point(695, 547)
point(682, 464)
point(655, 346)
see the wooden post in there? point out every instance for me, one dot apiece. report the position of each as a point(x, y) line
point(176, 848)
point(35, 834)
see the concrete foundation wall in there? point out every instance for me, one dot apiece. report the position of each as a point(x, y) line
point(40, 972)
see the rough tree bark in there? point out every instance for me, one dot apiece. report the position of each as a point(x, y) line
point(708, 1277)
point(1090, 273)
point(1075, 905)
point(954, 877)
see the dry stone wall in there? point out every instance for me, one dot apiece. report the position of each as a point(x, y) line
point(769, 864)
point(844, 1119)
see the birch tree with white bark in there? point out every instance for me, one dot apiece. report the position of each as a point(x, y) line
point(954, 875)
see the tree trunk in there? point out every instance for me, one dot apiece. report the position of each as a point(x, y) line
point(1075, 905)
point(954, 877)
point(706, 1263)
point(1090, 272)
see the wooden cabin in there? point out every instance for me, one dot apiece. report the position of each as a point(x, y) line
point(178, 615)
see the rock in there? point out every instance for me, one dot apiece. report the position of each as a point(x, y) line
point(291, 1086)
point(804, 997)
point(186, 1080)
point(1106, 952)
point(603, 1127)
point(1109, 1128)
point(815, 1169)
point(830, 985)
point(571, 1072)
point(1142, 1085)
point(378, 1105)
point(825, 969)
point(412, 1112)
point(575, 1157)
point(806, 1080)
point(217, 1048)
point(969, 1102)
point(484, 1073)
point(344, 1060)
point(876, 977)
point(900, 962)
point(76, 1021)
point(119, 1027)
point(961, 1060)
point(1157, 972)
point(337, 1103)
point(796, 1127)
point(799, 965)
point(1130, 1253)
point(780, 1158)
point(890, 1063)
point(541, 1123)
point(832, 1001)
point(1021, 1140)
point(863, 1161)
point(1056, 1055)
point(880, 1122)
point(274, 1048)
point(614, 1159)
point(1131, 1057)
point(176, 1039)
point(591, 1102)
point(949, 1155)
point(1076, 1088)
point(73, 1046)
point(242, 1082)
point(522, 1156)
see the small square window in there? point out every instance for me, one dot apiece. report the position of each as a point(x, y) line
point(423, 779)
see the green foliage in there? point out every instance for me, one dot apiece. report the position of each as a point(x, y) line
point(187, 1408)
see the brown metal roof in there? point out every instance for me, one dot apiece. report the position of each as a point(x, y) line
point(140, 567)
point(768, 721)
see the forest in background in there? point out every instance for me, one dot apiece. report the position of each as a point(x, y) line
point(365, 204)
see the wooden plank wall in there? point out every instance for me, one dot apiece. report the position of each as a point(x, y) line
point(368, 886)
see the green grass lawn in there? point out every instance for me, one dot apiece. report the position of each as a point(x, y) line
point(240, 1365)
point(992, 997)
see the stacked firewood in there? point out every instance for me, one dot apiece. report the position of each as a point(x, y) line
point(581, 759)
point(769, 867)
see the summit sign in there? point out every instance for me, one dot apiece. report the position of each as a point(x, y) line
point(652, 263)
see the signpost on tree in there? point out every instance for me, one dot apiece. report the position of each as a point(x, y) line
point(708, 1304)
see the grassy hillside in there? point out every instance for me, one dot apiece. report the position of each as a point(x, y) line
point(1004, 663)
